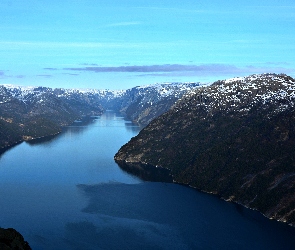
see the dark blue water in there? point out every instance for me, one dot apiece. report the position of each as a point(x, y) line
point(67, 192)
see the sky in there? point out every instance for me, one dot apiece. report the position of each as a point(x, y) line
point(119, 44)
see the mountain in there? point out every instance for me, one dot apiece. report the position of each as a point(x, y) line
point(234, 138)
point(142, 104)
point(31, 112)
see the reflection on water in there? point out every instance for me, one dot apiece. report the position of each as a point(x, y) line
point(119, 233)
point(132, 127)
point(4, 150)
point(43, 140)
point(169, 216)
point(147, 172)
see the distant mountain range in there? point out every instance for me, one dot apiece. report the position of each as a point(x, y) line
point(31, 112)
point(234, 138)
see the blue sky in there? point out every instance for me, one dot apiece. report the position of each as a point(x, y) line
point(118, 44)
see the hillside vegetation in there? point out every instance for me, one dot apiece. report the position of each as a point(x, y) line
point(235, 139)
point(28, 113)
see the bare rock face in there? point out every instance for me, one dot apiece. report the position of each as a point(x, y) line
point(235, 138)
point(11, 239)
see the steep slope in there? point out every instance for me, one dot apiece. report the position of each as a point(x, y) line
point(235, 138)
point(154, 100)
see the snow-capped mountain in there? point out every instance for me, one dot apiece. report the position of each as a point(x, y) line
point(252, 90)
point(234, 138)
point(31, 112)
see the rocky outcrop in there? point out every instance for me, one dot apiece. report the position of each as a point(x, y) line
point(235, 138)
point(10, 239)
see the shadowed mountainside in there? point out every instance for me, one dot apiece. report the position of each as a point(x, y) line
point(29, 113)
point(235, 139)
point(10, 239)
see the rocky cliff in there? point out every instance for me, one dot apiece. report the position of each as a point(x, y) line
point(235, 139)
point(10, 239)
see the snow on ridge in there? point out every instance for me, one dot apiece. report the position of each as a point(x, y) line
point(246, 92)
point(22, 88)
point(12, 87)
point(22, 93)
point(164, 89)
point(230, 80)
point(102, 92)
point(166, 84)
point(250, 78)
point(259, 87)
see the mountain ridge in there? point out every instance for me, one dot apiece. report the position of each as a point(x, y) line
point(34, 112)
point(234, 138)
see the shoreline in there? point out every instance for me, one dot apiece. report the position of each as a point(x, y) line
point(29, 139)
point(3, 149)
point(131, 166)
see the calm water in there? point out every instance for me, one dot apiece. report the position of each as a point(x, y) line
point(67, 192)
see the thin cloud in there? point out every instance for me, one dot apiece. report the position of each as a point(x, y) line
point(70, 74)
point(3, 74)
point(23, 45)
point(277, 63)
point(46, 76)
point(123, 24)
point(89, 64)
point(185, 70)
point(62, 45)
point(158, 68)
point(50, 68)
point(175, 10)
